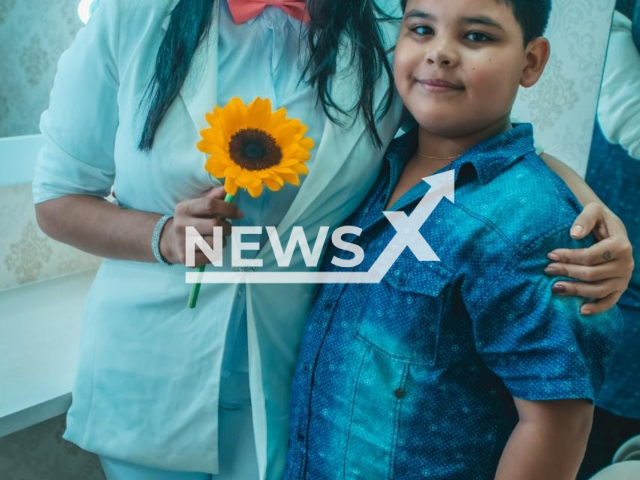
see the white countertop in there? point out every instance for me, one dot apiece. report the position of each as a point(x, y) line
point(18, 156)
point(39, 335)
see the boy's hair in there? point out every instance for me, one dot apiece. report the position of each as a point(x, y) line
point(532, 15)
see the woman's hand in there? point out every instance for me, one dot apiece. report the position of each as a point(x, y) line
point(204, 213)
point(605, 267)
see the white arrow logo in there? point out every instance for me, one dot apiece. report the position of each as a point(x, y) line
point(407, 235)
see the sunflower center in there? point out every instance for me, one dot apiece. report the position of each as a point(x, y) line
point(254, 149)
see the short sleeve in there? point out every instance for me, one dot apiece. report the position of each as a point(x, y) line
point(537, 342)
point(79, 127)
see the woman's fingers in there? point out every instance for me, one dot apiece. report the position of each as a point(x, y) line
point(601, 305)
point(209, 205)
point(604, 271)
point(607, 265)
point(613, 249)
point(597, 290)
point(201, 258)
point(204, 226)
point(591, 220)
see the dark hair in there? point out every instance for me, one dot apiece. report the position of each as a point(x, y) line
point(626, 7)
point(532, 15)
point(330, 21)
point(636, 26)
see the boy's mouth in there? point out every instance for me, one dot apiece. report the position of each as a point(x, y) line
point(439, 85)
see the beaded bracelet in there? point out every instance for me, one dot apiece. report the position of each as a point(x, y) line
point(155, 240)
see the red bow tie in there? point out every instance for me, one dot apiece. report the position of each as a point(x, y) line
point(244, 10)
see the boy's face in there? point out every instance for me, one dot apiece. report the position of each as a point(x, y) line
point(458, 64)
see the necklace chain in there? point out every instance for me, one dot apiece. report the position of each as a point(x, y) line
point(435, 158)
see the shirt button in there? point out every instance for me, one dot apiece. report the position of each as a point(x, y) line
point(300, 437)
point(399, 393)
point(328, 306)
point(402, 280)
point(305, 368)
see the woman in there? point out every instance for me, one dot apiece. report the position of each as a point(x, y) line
point(158, 384)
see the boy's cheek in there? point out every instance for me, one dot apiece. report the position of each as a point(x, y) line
point(484, 84)
point(403, 66)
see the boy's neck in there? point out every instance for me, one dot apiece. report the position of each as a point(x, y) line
point(441, 151)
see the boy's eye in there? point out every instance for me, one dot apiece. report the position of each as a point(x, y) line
point(478, 37)
point(422, 30)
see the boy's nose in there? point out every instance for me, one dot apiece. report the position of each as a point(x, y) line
point(442, 56)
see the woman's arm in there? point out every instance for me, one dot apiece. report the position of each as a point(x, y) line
point(578, 186)
point(606, 267)
point(96, 226)
point(548, 442)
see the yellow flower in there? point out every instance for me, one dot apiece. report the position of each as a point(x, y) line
point(251, 146)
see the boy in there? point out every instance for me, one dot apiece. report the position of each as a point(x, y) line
point(467, 368)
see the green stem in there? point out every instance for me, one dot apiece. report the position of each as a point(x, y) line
point(195, 288)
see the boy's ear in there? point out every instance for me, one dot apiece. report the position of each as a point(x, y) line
point(536, 58)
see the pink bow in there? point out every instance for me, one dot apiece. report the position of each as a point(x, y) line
point(244, 10)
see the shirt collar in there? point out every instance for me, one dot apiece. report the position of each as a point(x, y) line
point(488, 158)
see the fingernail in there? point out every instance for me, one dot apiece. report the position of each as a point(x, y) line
point(576, 231)
point(559, 289)
point(551, 271)
point(585, 311)
point(554, 256)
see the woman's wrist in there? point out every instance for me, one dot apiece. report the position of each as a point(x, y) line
point(161, 244)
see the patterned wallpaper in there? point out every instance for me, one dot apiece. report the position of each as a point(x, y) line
point(27, 254)
point(33, 35)
point(562, 106)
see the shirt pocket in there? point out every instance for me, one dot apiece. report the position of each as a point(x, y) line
point(402, 313)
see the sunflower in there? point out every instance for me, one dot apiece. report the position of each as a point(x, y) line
point(252, 147)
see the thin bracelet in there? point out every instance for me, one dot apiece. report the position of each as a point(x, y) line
point(155, 240)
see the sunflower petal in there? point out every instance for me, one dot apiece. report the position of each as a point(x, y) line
point(281, 170)
point(290, 178)
point(259, 114)
point(293, 153)
point(204, 146)
point(255, 192)
point(307, 143)
point(272, 184)
point(230, 186)
point(245, 178)
point(232, 170)
point(300, 169)
point(277, 118)
point(235, 115)
point(215, 168)
point(285, 134)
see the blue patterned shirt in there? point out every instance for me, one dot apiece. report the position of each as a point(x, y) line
point(414, 377)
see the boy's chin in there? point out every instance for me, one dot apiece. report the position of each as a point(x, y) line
point(452, 127)
point(449, 128)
